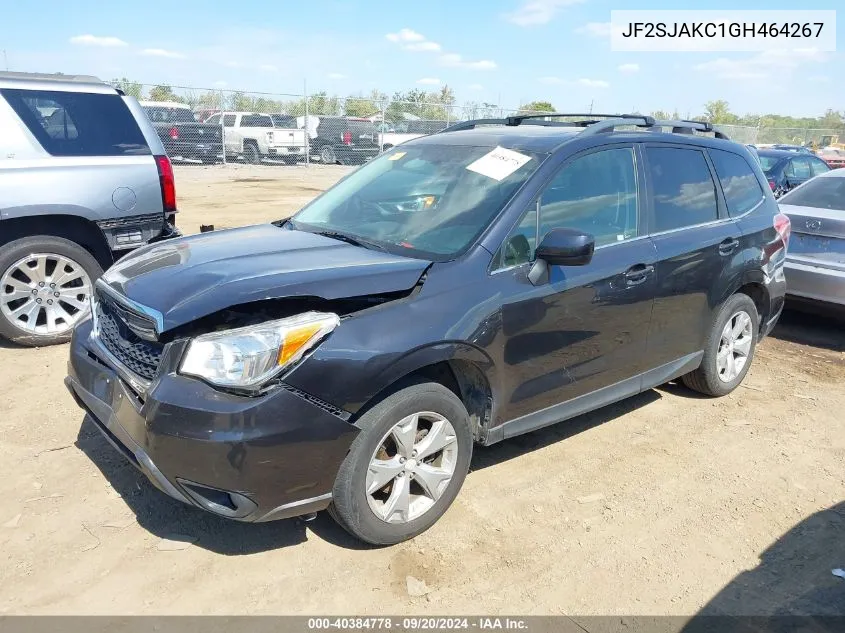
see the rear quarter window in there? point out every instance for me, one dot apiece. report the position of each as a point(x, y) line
point(78, 124)
point(739, 184)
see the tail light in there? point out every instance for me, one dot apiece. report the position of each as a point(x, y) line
point(168, 183)
point(772, 185)
point(174, 134)
point(347, 138)
point(783, 226)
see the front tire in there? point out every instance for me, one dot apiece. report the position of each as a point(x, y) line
point(406, 466)
point(729, 350)
point(45, 289)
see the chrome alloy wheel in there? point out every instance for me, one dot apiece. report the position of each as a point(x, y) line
point(412, 467)
point(734, 346)
point(45, 293)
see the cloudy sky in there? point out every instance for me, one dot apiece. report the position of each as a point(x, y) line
point(505, 51)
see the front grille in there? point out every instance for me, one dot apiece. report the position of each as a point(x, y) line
point(139, 356)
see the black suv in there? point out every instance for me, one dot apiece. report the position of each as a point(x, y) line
point(461, 289)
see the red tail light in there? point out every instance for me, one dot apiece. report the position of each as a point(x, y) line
point(772, 185)
point(347, 138)
point(784, 227)
point(174, 134)
point(168, 183)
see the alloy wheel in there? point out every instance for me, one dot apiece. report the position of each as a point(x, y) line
point(45, 294)
point(734, 346)
point(411, 467)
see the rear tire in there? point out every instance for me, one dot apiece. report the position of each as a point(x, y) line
point(251, 154)
point(31, 265)
point(328, 156)
point(729, 350)
point(425, 414)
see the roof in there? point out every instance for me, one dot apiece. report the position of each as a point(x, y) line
point(165, 104)
point(532, 138)
point(546, 139)
point(65, 83)
point(778, 153)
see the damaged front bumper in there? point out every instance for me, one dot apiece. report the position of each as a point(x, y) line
point(244, 458)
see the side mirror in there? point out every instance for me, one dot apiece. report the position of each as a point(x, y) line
point(566, 247)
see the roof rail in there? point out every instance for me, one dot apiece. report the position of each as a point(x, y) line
point(84, 79)
point(684, 126)
point(593, 125)
point(608, 125)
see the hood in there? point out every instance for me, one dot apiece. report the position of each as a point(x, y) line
point(188, 278)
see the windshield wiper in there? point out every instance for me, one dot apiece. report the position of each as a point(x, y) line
point(350, 239)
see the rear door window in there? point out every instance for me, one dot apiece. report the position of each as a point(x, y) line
point(799, 169)
point(77, 123)
point(683, 190)
point(740, 185)
point(256, 120)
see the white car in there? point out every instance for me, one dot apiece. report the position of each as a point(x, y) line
point(397, 133)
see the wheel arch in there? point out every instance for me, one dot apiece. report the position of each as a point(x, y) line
point(462, 368)
point(753, 285)
point(70, 227)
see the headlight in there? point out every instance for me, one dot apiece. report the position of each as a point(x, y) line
point(249, 356)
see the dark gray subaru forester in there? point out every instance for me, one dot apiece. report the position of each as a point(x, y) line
point(463, 288)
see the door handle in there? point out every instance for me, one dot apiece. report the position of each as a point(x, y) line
point(636, 275)
point(728, 246)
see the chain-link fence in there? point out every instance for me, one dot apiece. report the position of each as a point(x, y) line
point(216, 125)
point(808, 137)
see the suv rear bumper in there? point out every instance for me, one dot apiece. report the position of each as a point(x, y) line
point(248, 459)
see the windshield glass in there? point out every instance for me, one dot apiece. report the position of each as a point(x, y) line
point(425, 200)
point(821, 193)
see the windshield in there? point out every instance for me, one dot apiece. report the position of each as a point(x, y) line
point(425, 200)
point(821, 193)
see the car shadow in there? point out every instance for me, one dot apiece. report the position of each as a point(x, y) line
point(167, 518)
point(806, 327)
point(484, 457)
point(793, 578)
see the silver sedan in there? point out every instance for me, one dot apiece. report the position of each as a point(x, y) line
point(815, 261)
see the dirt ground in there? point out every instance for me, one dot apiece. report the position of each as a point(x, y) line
point(666, 503)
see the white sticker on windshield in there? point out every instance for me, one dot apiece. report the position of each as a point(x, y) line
point(499, 163)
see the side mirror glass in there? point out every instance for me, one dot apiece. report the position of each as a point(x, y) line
point(566, 247)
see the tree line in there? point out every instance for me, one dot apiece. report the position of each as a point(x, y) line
point(439, 104)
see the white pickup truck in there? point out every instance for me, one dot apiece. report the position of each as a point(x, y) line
point(257, 137)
